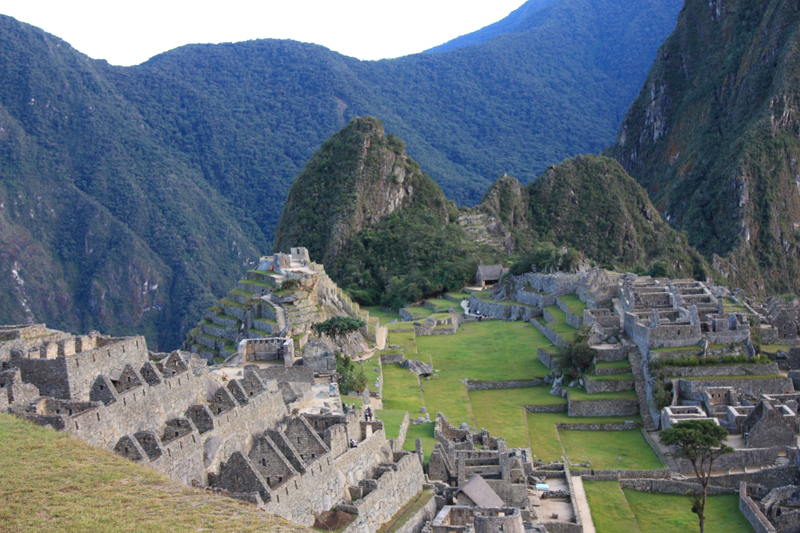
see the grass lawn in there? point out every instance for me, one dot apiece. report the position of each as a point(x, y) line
point(401, 326)
point(401, 389)
point(391, 421)
point(603, 447)
point(488, 351)
point(424, 432)
point(459, 295)
point(560, 326)
point(657, 513)
point(354, 400)
point(609, 377)
point(384, 317)
point(747, 376)
point(579, 395)
point(406, 340)
point(574, 303)
point(610, 510)
point(773, 348)
point(443, 306)
point(501, 411)
point(419, 312)
point(448, 396)
point(692, 348)
point(544, 436)
point(50, 481)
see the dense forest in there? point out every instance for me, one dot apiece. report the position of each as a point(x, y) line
point(131, 198)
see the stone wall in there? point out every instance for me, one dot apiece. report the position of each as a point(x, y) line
point(574, 321)
point(558, 408)
point(607, 385)
point(486, 385)
point(693, 389)
point(558, 284)
point(534, 299)
point(669, 486)
point(551, 335)
point(415, 523)
point(547, 358)
point(397, 444)
point(752, 513)
point(603, 407)
point(390, 358)
point(719, 370)
point(738, 459)
point(503, 311)
point(394, 490)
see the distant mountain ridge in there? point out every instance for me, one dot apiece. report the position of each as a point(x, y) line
point(389, 236)
point(510, 24)
point(131, 198)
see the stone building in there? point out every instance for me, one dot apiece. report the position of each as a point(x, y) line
point(489, 274)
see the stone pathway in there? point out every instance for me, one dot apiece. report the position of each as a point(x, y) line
point(582, 504)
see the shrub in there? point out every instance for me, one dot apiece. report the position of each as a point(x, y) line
point(351, 378)
point(574, 361)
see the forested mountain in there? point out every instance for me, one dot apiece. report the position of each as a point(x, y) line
point(389, 236)
point(713, 136)
point(132, 197)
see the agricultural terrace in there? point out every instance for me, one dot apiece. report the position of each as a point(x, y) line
point(502, 351)
point(616, 510)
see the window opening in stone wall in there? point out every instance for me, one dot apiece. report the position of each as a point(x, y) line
point(77, 365)
point(93, 359)
point(193, 439)
point(124, 402)
point(76, 425)
point(109, 353)
point(98, 416)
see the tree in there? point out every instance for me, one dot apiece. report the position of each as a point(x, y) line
point(574, 360)
point(338, 328)
point(701, 442)
point(351, 378)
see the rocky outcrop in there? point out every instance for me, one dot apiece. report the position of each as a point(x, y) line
point(713, 138)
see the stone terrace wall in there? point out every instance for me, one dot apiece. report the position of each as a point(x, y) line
point(720, 370)
point(487, 385)
point(752, 513)
point(503, 311)
point(558, 284)
point(395, 489)
point(693, 389)
point(608, 385)
point(415, 523)
point(603, 408)
point(547, 358)
point(534, 299)
point(397, 444)
point(738, 459)
point(668, 486)
point(558, 408)
point(551, 335)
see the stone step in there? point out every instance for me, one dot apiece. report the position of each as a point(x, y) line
point(639, 386)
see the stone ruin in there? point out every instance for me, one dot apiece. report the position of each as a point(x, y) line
point(237, 437)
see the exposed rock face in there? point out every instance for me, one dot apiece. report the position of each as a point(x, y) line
point(713, 137)
point(358, 177)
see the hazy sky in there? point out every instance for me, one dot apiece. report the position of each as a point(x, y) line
point(128, 33)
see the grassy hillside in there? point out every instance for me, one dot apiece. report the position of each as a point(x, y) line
point(50, 481)
point(591, 204)
point(713, 138)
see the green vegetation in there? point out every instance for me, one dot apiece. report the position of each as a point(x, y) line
point(419, 312)
point(338, 328)
point(613, 365)
point(610, 510)
point(424, 432)
point(710, 360)
point(443, 306)
point(609, 377)
point(773, 348)
point(391, 421)
point(660, 513)
point(544, 435)
point(604, 448)
point(401, 390)
point(708, 135)
point(383, 316)
point(351, 378)
point(575, 304)
point(580, 395)
point(82, 488)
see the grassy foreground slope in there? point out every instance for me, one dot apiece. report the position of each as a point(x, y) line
point(51, 481)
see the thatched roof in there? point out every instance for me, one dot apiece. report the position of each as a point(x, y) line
point(489, 272)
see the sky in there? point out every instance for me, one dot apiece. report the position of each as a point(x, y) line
point(128, 33)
